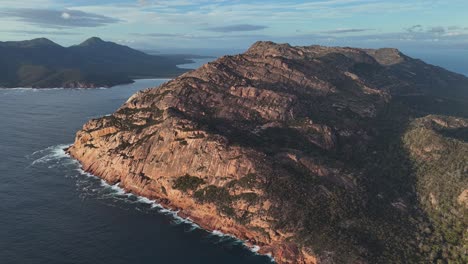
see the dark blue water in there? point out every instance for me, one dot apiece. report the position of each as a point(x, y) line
point(455, 60)
point(196, 63)
point(52, 213)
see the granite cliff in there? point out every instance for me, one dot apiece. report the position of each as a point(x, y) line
point(312, 153)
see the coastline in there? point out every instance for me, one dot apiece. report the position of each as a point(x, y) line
point(190, 64)
point(85, 88)
point(205, 215)
point(166, 208)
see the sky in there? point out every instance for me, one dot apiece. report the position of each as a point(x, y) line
point(236, 24)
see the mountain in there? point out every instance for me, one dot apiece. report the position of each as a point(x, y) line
point(315, 154)
point(94, 63)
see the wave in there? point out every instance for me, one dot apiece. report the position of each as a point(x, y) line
point(53, 153)
point(56, 156)
point(118, 191)
point(177, 220)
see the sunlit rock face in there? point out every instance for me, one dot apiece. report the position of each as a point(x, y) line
point(277, 146)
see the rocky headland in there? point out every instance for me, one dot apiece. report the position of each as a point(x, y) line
point(315, 154)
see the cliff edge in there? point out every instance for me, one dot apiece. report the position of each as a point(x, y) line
point(302, 151)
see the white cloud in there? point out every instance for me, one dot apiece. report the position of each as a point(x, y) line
point(57, 19)
point(66, 15)
point(184, 22)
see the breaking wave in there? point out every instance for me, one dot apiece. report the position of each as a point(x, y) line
point(91, 186)
point(51, 156)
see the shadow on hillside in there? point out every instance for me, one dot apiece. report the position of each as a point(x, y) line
point(376, 220)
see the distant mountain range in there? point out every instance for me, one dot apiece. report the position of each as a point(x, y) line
point(42, 63)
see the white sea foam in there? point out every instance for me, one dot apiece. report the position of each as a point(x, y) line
point(98, 116)
point(41, 151)
point(218, 233)
point(57, 154)
point(54, 153)
point(118, 191)
point(255, 249)
point(115, 188)
point(145, 200)
point(272, 259)
point(84, 173)
point(178, 220)
point(223, 237)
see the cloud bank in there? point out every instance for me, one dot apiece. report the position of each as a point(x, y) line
point(58, 18)
point(236, 28)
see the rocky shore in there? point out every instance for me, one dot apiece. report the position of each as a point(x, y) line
point(273, 146)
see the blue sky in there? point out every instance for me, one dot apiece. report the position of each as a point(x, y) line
point(164, 24)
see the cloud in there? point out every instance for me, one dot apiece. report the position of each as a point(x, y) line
point(66, 15)
point(58, 18)
point(40, 32)
point(236, 28)
point(437, 30)
point(349, 30)
point(415, 28)
point(158, 35)
point(143, 2)
point(236, 23)
point(178, 36)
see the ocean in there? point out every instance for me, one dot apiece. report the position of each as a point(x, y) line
point(51, 212)
point(455, 60)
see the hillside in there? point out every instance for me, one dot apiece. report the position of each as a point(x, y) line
point(316, 154)
point(41, 63)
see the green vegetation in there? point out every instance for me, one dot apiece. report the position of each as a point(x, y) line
point(94, 63)
point(122, 120)
point(357, 177)
point(187, 182)
point(221, 197)
point(197, 136)
point(249, 197)
point(441, 171)
point(163, 190)
point(213, 194)
point(248, 181)
point(380, 214)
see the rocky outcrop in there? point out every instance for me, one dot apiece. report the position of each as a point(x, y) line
point(265, 146)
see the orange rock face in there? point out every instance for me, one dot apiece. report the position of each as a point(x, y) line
point(244, 126)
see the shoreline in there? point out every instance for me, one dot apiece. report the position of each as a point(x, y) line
point(81, 88)
point(166, 209)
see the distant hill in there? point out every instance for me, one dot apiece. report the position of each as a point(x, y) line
point(42, 63)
